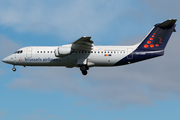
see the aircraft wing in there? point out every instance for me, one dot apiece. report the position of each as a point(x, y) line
point(83, 43)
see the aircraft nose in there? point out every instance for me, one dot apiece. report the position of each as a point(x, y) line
point(4, 60)
point(8, 59)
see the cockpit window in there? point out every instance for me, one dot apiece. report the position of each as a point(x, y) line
point(18, 52)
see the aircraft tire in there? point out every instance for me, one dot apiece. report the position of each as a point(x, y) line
point(84, 72)
point(14, 69)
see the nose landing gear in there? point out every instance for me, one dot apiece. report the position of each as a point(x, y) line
point(14, 69)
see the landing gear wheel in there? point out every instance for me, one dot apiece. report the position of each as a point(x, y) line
point(84, 69)
point(84, 72)
point(14, 69)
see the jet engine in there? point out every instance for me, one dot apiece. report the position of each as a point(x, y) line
point(62, 51)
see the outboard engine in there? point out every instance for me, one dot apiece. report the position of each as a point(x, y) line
point(63, 51)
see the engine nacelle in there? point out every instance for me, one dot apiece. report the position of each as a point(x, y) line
point(62, 51)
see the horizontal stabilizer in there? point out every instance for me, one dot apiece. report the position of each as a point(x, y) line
point(167, 24)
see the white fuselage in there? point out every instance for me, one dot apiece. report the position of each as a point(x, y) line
point(44, 56)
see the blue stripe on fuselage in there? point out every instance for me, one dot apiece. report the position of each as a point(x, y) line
point(139, 56)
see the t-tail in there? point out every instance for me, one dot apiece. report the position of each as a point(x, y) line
point(159, 36)
point(153, 44)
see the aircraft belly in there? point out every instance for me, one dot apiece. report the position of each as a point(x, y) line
point(102, 60)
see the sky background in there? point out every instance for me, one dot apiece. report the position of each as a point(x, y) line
point(148, 90)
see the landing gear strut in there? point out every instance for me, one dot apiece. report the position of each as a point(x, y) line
point(14, 69)
point(84, 69)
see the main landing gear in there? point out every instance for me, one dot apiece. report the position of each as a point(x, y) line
point(84, 69)
point(14, 69)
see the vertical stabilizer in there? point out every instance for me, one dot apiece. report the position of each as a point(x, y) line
point(153, 44)
point(159, 36)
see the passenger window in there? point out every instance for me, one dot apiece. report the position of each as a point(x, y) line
point(102, 52)
point(51, 51)
point(37, 51)
point(41, 51)
point(47, 51)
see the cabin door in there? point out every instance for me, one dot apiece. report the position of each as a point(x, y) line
point(29, 52)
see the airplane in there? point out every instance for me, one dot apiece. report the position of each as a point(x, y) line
point(84, 54)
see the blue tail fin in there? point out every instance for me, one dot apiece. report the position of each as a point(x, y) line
point(159, 36)
point(153, 44)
